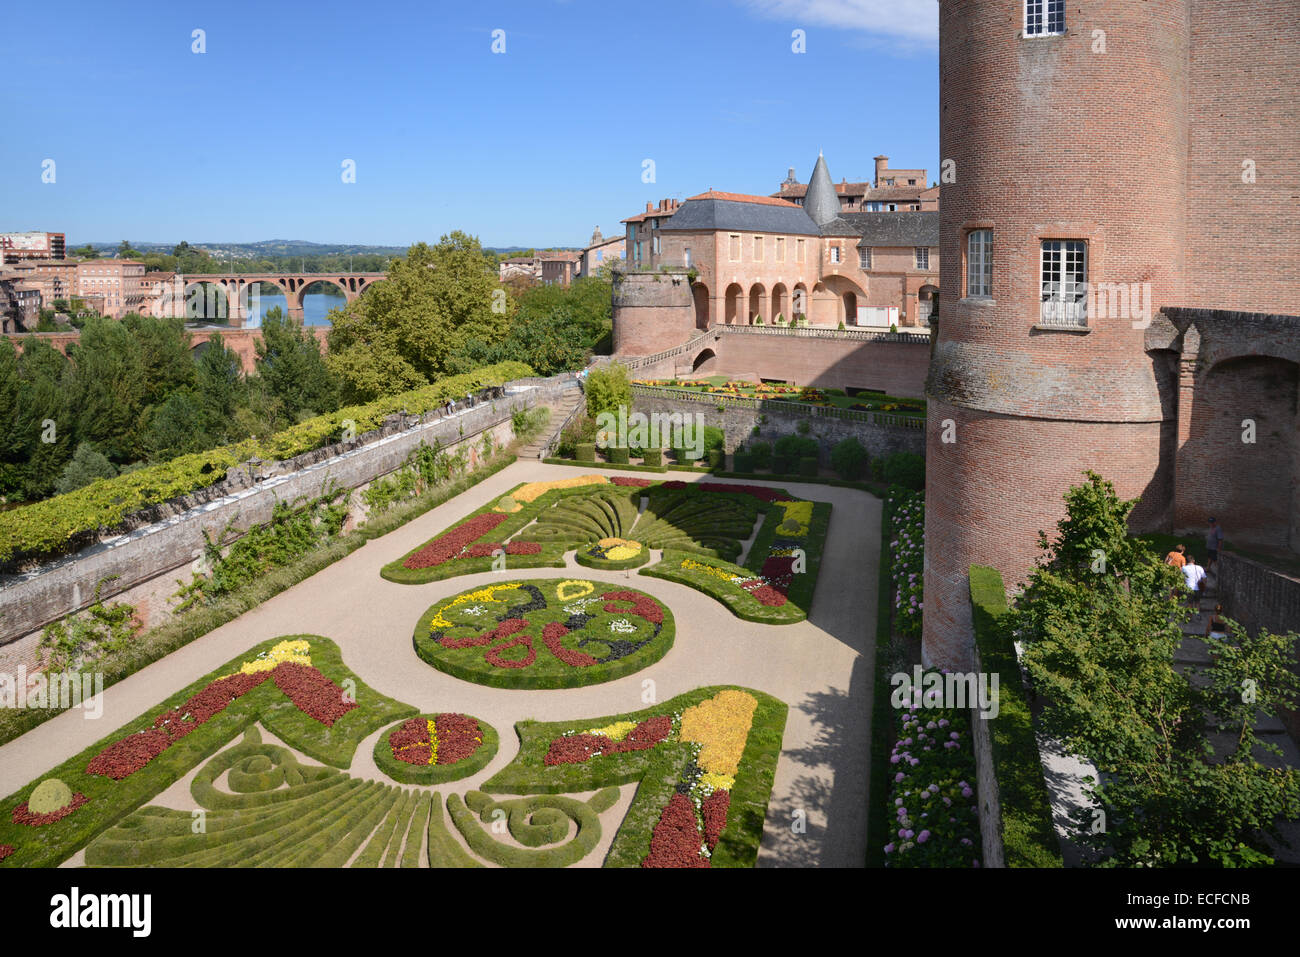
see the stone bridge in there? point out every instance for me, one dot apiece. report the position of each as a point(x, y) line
point(232, 306)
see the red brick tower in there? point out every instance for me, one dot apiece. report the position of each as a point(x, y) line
point(1064, 154)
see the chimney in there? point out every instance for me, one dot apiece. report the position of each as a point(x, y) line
point(648, 207)
point(882, 165)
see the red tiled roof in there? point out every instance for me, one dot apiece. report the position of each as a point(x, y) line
point(742, 198)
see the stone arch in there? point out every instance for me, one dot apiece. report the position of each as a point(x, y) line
point(780, 307)
point(700, 294)
point(756, 296)
point(927, 304)
point(207, 301)
point(732, 303)
point(704, 360)
point(800, 302)
point(834, 300)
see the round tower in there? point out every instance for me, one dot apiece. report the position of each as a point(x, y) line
point(1063, 152)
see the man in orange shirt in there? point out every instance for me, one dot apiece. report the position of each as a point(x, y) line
point(1176, 557)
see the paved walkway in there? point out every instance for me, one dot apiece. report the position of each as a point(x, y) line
point(821, 668)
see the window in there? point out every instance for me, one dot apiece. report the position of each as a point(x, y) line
point(799, 252)
point(864, 257)
point(979, 264)
point(758, 249)
point(734, 247)
point(686, 257)
point(911, 182)
point(638, 252)
point(658, 248)
point(923, 257)
point(1044, 18)
point(1064, 282)
point(780, 249)
point(835, 254)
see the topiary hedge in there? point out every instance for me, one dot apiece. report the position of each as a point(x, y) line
point(46, 528)
point(1028, 834)
point(654, 457)
point(618, 455)
point(585, 452)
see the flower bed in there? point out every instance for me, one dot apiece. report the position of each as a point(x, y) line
point(907, 558)
point(21, 814)
point(453, 543)
point(613, 554)
point(544, 633)
point(932, 792)
point(431, 749)
point(705, 761)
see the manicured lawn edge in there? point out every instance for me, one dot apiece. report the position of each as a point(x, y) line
point(574, 463)
point(738, 844)
point(1028, 833)
point(585, 814)
point(573, 677)
point(435, 773)
point(159, 642)
point(111, 800)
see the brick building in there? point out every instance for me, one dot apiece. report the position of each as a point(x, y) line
point(1120, 254)
point(15, 247)
point(763, 260)
point(117, 281)
point(20, 301)
point(547, 265)
point(600, 252)
point(889, 192)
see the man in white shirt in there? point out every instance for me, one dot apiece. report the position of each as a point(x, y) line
point(1193, 576)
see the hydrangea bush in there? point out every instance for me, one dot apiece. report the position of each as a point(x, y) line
point(907, 549)
point(932, 790)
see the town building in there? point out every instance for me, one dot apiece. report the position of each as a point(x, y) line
point(599, 252)
point(890, 191)
point(20, 301)
point(15, 247)
point(547, 265)
point(117, 281)
point(1119, 254)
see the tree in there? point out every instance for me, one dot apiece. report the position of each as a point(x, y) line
point(221, 390)
point(85, 466)
point(176, 427)
point(849, 458)
point(11, 442)
point(107, 388)
point(164, 348)
point(417, 325)
point(607, 388)
point(1099, 620)
point(84, 252)
point(43, 429)
point(290, 365)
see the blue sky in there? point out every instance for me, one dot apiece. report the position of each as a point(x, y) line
point(153, 142)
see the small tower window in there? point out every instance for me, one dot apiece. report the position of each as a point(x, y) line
point(1064, 282)
point(979, 264)
point(1044, 18)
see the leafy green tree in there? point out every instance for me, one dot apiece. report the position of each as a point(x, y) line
point(849, 458)
point(107, 389)
point(607, 388)
point(417, 325)
point(85, 466)
point(164, 348)
point(43, 429)
point(290, 365)
point(11, 442)
point(84, 252)
point(176, 427)
point(1100, 622)
point(221, 390)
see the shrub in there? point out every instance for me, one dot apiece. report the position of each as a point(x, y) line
point(617, 455)
point(804, 428)
point(585, 452)
point(717, 458)
point(50, 795)
point(761, 454)
point(901, 468)
point(607, 388)
point(744, 462)
point(795, 447)
point(849, 458)
point(653, 456)
point(808, 465)
point(714, 438)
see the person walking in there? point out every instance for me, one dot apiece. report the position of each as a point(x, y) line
point(1213, 542)
point(1193, 577)
point(1217, 626)
point(1178, 557)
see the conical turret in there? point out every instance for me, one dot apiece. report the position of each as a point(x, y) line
point(820, 202)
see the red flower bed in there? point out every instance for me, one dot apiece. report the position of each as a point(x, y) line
point(630, 482)
point(311, 692)
point(676, 838)
point(409, 734)
point(459, 736)
point(5, 850)
point(577, 748)
point(129, 754)
point(449, 545)
point(523, 548)
point(714, 809)
point(552, 634)
point(419, 754)
point(23, 816)
point(483, 549)
point(494, 655)
point(642, 605)
point(206, 704)
point(503, 630)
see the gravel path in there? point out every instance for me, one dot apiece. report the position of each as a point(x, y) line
point(821, 668)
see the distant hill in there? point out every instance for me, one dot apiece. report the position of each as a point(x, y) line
point(271, 248)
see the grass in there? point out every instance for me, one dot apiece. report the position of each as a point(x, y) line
point(882, 719)
point(547, 671)
point(741, 603)
point(873, 400)
point(657, 770)
point(534, 822)
point(110, 801)
point(408, 773)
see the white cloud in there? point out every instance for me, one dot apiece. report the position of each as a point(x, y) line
point(915, 21)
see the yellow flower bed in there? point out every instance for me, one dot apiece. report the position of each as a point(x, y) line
point(721, 726)
point(617, 549)
point(297, 652)
point(796, 514)
point(692, 565)
point(483, 594)
point(616, 731)
point(574, 588)
point(534, 490)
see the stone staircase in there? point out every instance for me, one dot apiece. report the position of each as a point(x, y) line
point(1194, 653)
point(561, 407)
